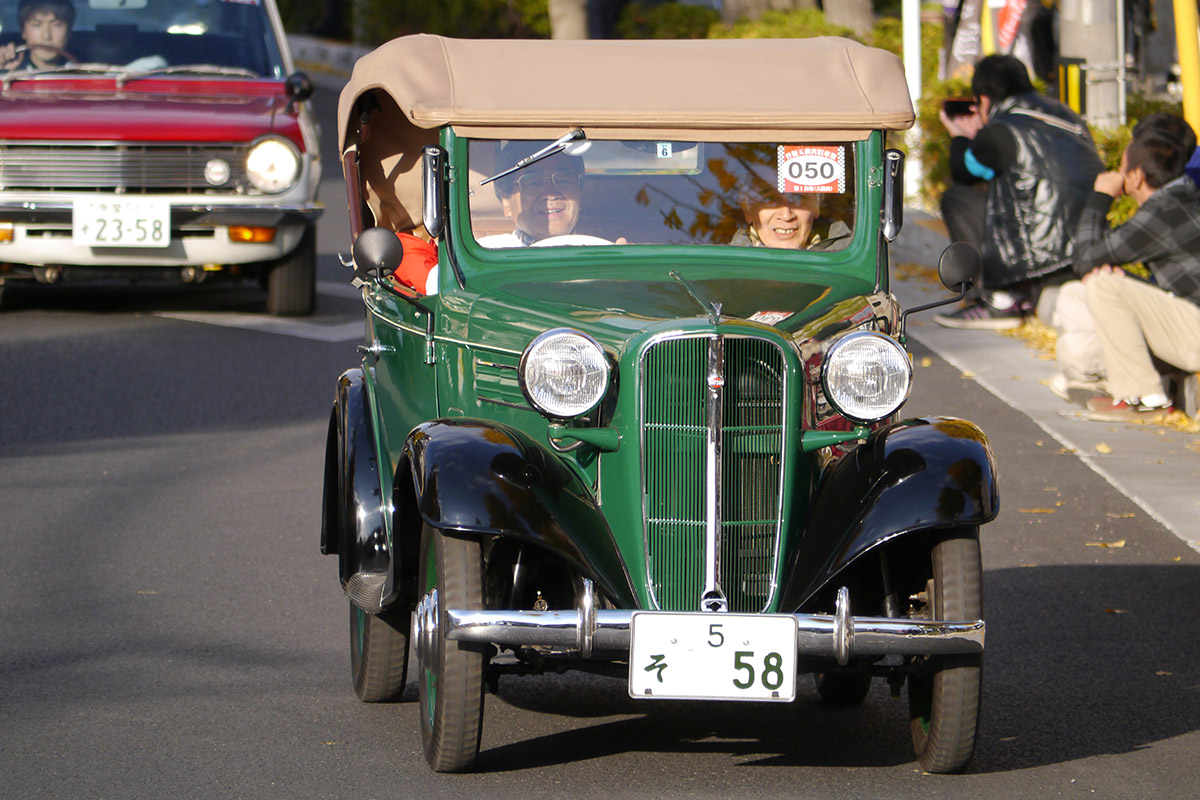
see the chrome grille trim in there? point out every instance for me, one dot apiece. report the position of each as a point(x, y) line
point(134, 168)
point(673, 404)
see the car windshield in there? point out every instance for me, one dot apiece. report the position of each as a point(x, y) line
point(745, 194)
point(203, 37)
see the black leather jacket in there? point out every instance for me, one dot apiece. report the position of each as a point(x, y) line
point(1033, 206)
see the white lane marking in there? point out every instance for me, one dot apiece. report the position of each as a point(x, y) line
point(313, 331)
point(341, 332)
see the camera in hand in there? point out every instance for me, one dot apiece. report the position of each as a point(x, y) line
point(959, 107)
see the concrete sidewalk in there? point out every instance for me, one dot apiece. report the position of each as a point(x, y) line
point(1156, 467)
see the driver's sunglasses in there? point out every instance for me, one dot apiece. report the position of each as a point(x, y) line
point(564, 180)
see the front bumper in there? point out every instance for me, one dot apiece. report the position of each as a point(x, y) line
point(587, 631)
point(199, 236)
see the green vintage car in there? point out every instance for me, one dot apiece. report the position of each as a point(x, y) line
point(642, 416)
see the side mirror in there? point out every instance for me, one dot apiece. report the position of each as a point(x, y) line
point(433, 201)
point(959, 267)
point(377, 253)
point(893, 194)
point(299, 87)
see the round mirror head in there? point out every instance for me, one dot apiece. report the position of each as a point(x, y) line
point(959, 266)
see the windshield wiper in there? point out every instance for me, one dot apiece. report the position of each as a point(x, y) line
point(189, 69)
point(555, 147)
point(711, 308)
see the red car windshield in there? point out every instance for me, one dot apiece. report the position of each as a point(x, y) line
point(217, 36)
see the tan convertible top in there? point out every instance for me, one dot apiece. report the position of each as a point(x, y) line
point(711, 89)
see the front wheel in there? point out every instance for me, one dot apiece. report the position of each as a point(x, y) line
point(378, 654)
point(292, 282)
point(450, 685)
point(944, 699)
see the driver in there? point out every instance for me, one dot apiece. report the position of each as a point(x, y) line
point(542, 200)
point(45, 27)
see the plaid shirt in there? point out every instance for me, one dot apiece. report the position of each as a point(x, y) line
point(1164, 234)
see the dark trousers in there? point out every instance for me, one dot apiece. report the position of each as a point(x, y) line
point(962, 211)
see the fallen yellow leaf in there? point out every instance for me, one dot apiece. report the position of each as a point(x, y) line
point(926, 361)
point(968, 374)
point(1103, 448)
point(1118, 543)
point(1162, 672)
point(1115, 611)
point(1036, 510)
point(1126, 515)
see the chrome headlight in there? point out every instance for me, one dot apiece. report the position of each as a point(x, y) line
point(272, 165)
point(867, 376)
point(564, 373)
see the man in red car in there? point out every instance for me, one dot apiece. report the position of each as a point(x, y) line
point(45, 27)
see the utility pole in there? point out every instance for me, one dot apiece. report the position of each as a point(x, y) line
point(1091, 31)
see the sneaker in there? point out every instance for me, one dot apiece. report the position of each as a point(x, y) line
point(1075, 391)
point(1109, 409)
point(981, 316)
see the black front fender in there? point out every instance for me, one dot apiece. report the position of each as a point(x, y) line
point(478, 477)
point(913, 475)
point(353, 518)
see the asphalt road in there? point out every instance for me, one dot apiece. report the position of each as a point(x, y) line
point(169, 629)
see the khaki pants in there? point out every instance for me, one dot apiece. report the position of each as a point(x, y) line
point(1078, 350)
point(1135, 319)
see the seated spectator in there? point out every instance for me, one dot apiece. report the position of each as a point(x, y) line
point(1039, 162)
point(1138, 320)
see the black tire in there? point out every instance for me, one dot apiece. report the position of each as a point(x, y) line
point(378, 654)
point(944, 700)
point(450, 685)
point(843, 688)
point(292, 281)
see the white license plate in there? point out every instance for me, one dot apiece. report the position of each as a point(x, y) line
point(712, 656)
point(121, 222)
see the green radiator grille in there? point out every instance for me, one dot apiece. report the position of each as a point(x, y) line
point(751, 423)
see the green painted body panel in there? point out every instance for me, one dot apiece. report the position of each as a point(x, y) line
point(625, 298)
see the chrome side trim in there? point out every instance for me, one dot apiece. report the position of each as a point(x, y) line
point(817, 634)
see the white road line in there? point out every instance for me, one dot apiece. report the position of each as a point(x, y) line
point(341, 332)
point(313, 331)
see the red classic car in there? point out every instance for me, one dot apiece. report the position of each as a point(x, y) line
point(156, 140)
